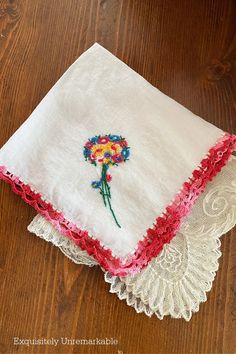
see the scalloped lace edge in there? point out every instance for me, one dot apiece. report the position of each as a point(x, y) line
point(211, 231)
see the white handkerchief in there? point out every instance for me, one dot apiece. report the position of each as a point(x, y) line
point(176, 282)
point(113, 163)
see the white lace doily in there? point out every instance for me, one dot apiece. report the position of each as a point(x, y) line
point(42, 228)
point(175, 282)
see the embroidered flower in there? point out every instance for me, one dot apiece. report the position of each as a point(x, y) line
point(117, 158)
point(125, 153)
point(115, 137)
point(94, 139)
point(88, 145)
point(109, 178)
point(103, 140)
point(87, 152)
point(106, 150)
point(107, 154)
point(123, 143)
point(96, 184)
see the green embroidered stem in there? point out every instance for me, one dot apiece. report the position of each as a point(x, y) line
point(105, 191)
point(108, 188)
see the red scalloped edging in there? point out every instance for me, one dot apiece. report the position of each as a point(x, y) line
point(164, 229)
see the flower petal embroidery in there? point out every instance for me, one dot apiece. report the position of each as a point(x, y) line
point(106, 150)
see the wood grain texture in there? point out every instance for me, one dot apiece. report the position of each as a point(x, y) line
point(186, 48)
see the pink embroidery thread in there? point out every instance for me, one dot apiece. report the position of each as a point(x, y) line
point(164, 229)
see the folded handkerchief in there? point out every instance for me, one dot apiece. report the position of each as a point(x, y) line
point(112, 163)
point(176, 281)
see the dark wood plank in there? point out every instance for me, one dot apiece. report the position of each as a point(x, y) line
point(187, 49)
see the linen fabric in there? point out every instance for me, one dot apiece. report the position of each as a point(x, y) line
point(99, 95)
point(176, 282)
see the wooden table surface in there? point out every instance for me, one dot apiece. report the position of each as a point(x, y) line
point(187, 49)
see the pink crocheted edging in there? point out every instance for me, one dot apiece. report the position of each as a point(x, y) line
point(163, 230)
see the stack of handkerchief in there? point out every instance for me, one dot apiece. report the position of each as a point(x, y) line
point(124, 177)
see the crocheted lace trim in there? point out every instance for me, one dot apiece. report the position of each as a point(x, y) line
point(175, 282)
point(163, 230)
